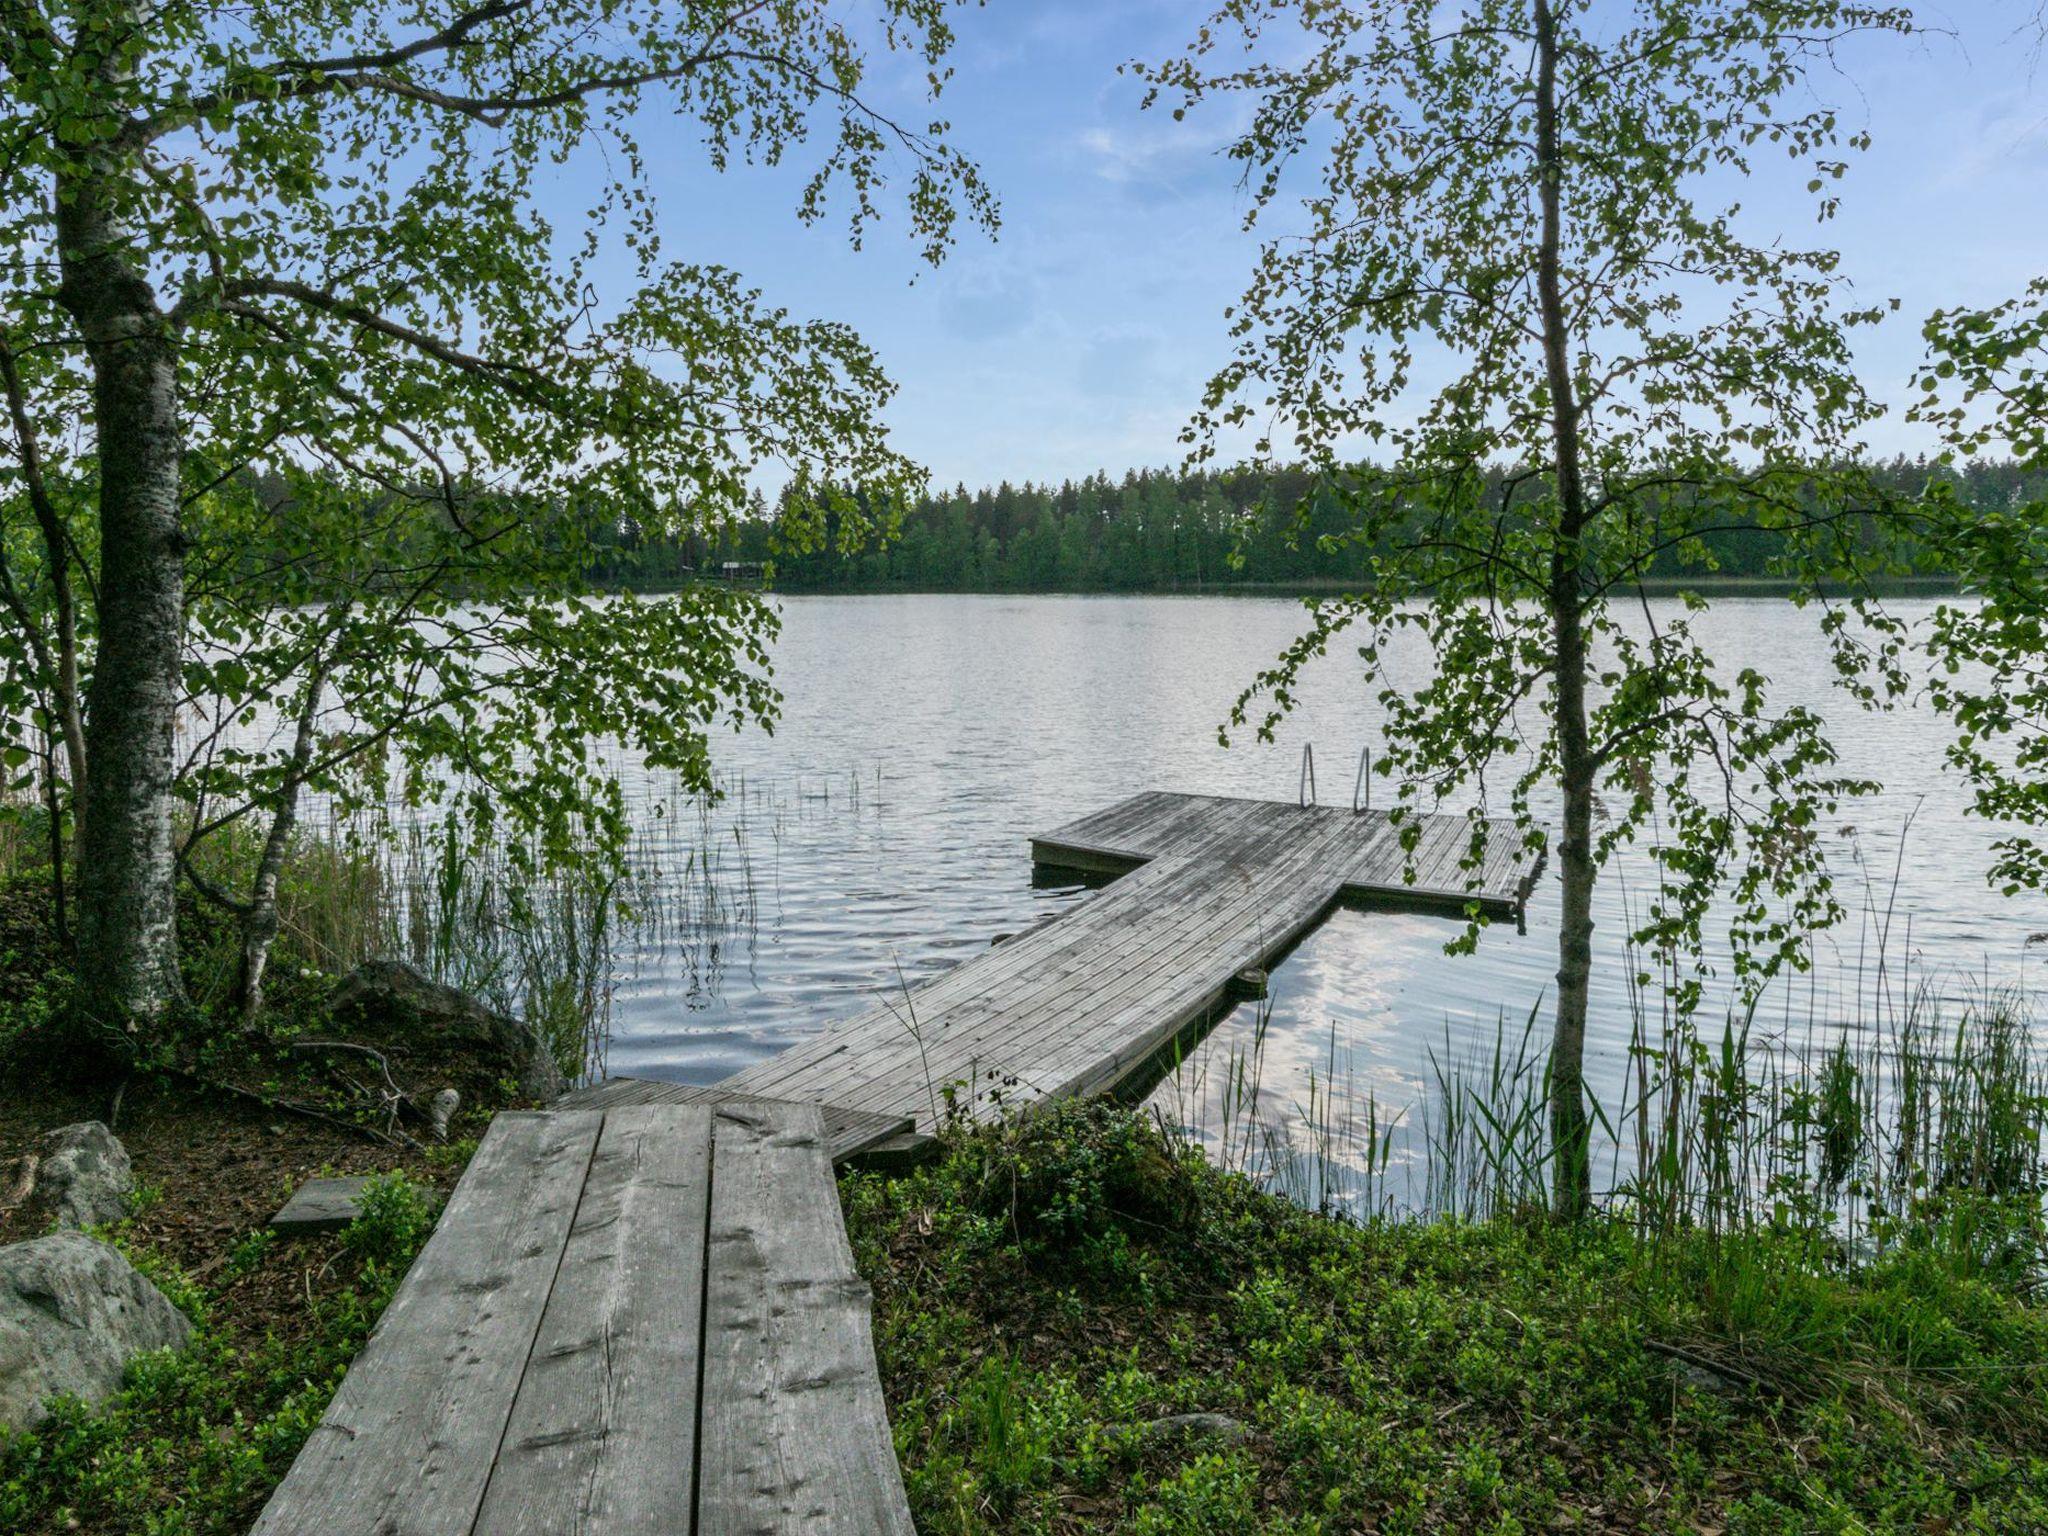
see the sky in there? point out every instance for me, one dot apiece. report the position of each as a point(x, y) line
point(1079, 338)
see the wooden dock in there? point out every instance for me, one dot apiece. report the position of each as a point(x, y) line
point(847, 1132)
point(639, 1313)
point(1210, 888)
point(639, 1319)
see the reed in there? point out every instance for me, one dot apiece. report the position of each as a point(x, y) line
point(1916, 1130)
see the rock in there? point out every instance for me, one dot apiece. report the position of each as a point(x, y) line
point(1182, 1428)
point(389, 1000)
point(73, 1313)
point(1702, 1377)
point(84, 1178)
point(442, 1111)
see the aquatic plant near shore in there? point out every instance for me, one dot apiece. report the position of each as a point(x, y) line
point(1919, 1130)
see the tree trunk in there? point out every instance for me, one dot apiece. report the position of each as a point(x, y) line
point(1571, 1165)
point(57, 551)
point(126, 916)
point(259, 924)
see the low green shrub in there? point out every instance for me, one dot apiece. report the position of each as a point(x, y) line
point(195, 1440)
point(1418, 1375)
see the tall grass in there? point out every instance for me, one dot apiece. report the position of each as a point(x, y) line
point(547, 947)
point(1918, 1128)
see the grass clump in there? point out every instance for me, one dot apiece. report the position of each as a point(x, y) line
point(1046, 1290)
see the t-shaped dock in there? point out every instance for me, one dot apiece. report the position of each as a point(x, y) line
point(1210, 888)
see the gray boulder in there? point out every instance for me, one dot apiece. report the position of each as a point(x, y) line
point(73, 1313)
point(389, 1000)
point(84, 1178)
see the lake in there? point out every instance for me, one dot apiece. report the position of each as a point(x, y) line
point(878, 836)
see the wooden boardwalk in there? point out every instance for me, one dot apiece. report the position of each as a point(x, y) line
point(1210, 888)
point(847, 1132)
point(641, 1319)
point(639, 1314)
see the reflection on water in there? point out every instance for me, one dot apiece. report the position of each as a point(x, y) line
point(880, 836)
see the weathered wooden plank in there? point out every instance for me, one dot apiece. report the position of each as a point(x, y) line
point(1040, 954)
point(991, 1028)
point(1252, 920)
point(1150, 834)
point(408, 1442)
point(321, 1205)
point(602, 1436)
point(795, 1435)
point(995, 1033)
point(848, 1132)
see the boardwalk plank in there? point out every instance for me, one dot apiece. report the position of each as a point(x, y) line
point(408, 1442)
point(601, 1438)
point(848, 1132)
point(1218, 885)
point(799, 1439)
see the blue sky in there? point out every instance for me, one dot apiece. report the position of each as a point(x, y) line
point(1079, 339)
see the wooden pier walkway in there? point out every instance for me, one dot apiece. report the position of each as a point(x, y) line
point(642, 1319)
point(638, 1312)
point(1210, 888)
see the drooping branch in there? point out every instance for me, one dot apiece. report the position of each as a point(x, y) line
point(312, 297)
point(283, 78)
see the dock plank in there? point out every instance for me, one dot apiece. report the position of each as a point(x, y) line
point(407, 1444)
point(1213, 886)
point(848, 1132)
point(801, 1440)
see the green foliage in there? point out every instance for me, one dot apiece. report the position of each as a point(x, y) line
point(1068, 1179)
point(195, 1441)
point(396, 1216)
point(1984, 383)
point(1518, 276)
point(1407, 312)
point(329, 219)
point(1409, 1376)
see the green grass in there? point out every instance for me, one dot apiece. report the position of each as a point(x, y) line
point(1044, 1290)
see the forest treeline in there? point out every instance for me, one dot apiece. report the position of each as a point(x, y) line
point(1160, 530)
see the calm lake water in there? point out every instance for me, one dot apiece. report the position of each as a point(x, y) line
point(879, 837)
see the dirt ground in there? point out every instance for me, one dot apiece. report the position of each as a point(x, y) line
point(210, 1169)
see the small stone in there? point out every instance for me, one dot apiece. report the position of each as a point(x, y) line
point(84, 1179)
point(1702, 1378)
point(442, 1110)
point(1182, 1428)
point(73, 1313)
point(20, 1180)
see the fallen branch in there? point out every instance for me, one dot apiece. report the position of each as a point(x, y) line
point(389, 1138)
point(395, 1099)
point(1698, 1362)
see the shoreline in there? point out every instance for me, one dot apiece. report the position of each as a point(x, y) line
point(1727, 586)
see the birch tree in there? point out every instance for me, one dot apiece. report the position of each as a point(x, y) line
point(239, 243)
point(1521, 280)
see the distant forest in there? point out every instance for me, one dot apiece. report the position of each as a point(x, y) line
point(1154, 530)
